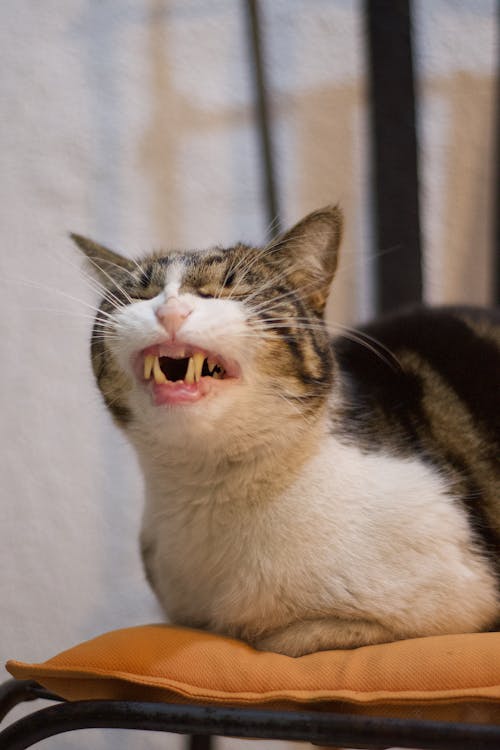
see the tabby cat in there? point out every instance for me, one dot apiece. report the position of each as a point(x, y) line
point(303, 494)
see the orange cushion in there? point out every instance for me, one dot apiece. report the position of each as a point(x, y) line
point(449, 677)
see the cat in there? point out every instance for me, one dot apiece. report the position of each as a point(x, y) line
point(303, 494)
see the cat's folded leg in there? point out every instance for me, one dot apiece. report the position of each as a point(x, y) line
point(306, 636)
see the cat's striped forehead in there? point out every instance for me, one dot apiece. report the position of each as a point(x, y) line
point(305, 258)
point(201, 272)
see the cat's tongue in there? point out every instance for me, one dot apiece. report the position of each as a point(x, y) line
point(179, 392)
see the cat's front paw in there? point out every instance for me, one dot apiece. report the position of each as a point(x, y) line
point(282, 643)
point(308, 636)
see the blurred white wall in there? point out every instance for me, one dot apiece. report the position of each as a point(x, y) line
point(132, 122)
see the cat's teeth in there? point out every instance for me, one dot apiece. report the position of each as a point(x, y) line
point(149, 361)
point(157, 373)
point(164, 351)
point(198, 358)
point(189, 377)
point(193, 375)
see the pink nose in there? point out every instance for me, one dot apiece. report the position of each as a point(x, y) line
point(173, 314)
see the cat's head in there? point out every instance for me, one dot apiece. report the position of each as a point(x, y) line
point(223, 342)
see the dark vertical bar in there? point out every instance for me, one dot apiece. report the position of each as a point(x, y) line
point(201, 742)
point(394, 153)
point(496, 186)
point(263, 117)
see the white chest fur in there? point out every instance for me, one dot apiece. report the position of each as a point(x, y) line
point(354, 536)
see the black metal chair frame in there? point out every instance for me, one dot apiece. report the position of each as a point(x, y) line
point(395, 182)
point(202, 722)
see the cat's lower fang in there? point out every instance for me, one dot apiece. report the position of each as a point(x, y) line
point(198, 358)
point(189, 377)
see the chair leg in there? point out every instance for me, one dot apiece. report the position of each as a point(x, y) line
point(200, 742)
point(13, 692)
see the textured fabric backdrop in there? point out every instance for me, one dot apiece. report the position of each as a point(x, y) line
point(132, 122)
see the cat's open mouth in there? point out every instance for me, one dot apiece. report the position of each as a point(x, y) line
point(182, 374)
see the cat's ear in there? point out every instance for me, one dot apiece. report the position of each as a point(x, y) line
point(103, 262)
point(310, 251)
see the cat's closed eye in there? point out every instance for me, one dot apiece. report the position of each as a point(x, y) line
point(205, 293)
point(146, 276)
point(229, 279)
point(210, 290)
